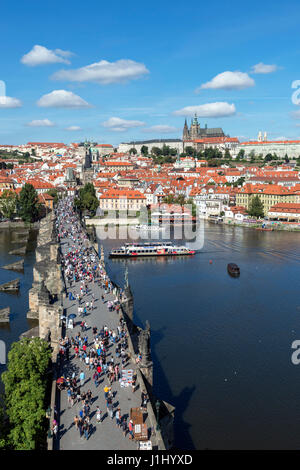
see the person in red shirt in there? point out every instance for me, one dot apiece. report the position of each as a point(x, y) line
point(130, 429)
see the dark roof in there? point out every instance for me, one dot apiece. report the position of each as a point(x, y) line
point(152, 141)
point(212, 130)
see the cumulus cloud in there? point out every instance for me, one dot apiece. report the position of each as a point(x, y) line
point(41, 123)
point(104, 72)
point(264, 68)
point(162, 129)
point(120, 125)
point(228, 81)
point(73, 128)
point(9, 102)
point(62, 99)
point(213, 110)
point(40, 55)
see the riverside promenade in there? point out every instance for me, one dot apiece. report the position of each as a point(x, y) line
point(105, 435)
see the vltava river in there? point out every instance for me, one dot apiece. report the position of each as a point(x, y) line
point(221, 345)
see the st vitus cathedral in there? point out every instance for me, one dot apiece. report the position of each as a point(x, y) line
point(196, 132)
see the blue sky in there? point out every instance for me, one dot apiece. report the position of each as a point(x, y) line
point(156, 63)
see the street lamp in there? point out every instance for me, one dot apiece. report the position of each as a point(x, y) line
point(48, 416)
point(48, 412)
point(157, 405)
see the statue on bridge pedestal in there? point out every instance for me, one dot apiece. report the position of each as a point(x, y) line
point(144, 344)
point(126, 278)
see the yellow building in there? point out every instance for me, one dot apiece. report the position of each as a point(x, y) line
point(269, 194)
point(122, 199)
point(6, 183)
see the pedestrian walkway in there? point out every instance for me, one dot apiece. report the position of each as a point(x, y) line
point(103, 435)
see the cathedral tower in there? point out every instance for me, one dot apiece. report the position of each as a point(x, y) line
point(186, 134)
point(195, 128)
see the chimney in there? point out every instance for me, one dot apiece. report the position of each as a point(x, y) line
point(259, 138)
point(265, 137)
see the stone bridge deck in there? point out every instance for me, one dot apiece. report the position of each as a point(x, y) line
point(105, 435)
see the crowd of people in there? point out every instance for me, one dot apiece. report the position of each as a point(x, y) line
point(101, 355)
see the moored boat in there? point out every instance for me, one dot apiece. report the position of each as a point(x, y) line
point(233, 269)
point(150, 228)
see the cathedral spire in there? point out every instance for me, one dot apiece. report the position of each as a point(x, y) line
point(185, 135)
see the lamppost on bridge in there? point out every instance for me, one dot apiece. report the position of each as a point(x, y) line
point(157, 406)
point(48, 416)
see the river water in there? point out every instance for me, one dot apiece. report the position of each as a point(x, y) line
point(221, 345)
point(18, 303)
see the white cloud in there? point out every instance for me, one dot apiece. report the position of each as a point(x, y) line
point(295, 114)
point(73, 128)
point(161, 128)
point(120, 125)
point(41, 123)
point(62, 99)
point(264, 68)
point(214, 110)
point(64, 53)
point(282, 137)
point(9, 102)
point(40, 55)
point(228, 81)
point(104, 72)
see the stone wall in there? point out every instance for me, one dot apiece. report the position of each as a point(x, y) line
point(45, 296)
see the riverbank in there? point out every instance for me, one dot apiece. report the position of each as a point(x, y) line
point(275, 226)
point(103, 222)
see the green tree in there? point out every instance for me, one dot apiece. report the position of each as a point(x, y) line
point(133, 151)
point(256, 208)
point(239, 182)
point(169, 199)
point(3, 426)
point(144, 150)
point(194, 207)
point(180, 200)
point(28, 203)
point(227, 154)
point(8, 203)
point(87, 199)
point(156, 151)
point(190, 151)
point(54, 193)
point(165, 150)
point(241, 154)
point(268, 157)
point(25, 382)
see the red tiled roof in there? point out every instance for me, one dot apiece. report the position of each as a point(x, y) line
point(122, 193)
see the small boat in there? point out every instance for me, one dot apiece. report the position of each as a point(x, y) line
point(233, 269)
point(150, 228)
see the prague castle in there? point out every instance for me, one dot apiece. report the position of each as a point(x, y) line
point(194, 136)
point(196, 132)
